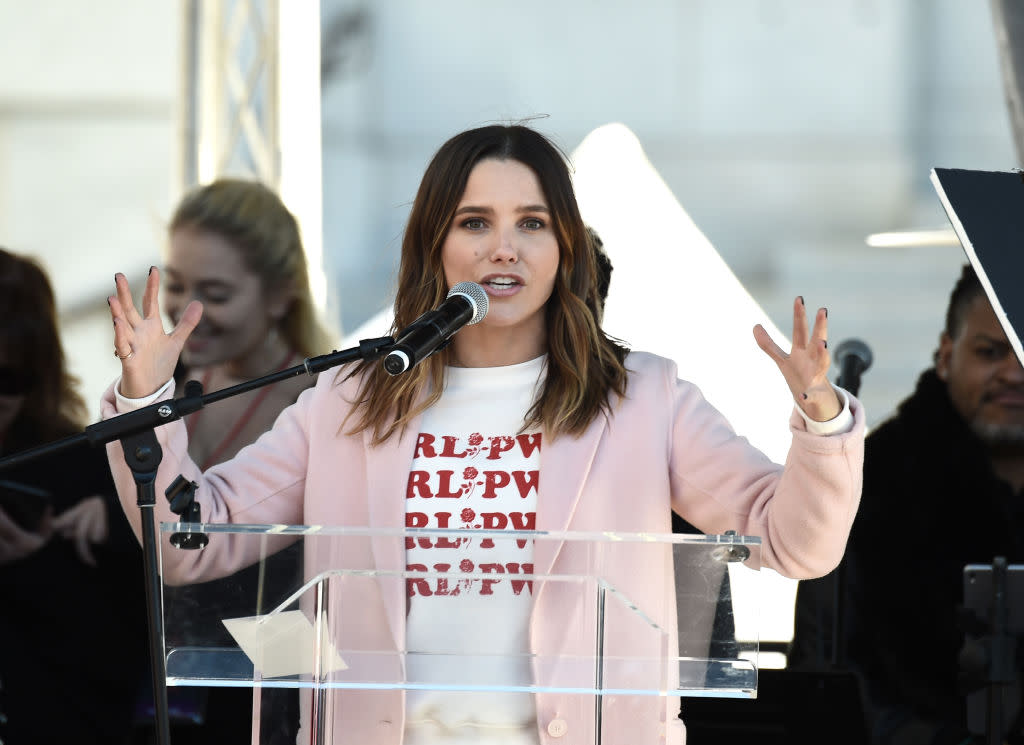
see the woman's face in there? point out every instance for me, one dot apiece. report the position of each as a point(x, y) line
point(502, 238)
point(239, 316)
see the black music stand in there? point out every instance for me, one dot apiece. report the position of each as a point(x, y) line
point(986, 209)
point(994, 596)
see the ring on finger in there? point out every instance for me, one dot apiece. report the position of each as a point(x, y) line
point(123, 357)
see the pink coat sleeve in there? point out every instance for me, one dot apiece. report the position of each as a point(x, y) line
point(803, 510)
point(263, 484)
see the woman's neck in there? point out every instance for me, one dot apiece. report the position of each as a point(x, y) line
point(474, 346)
point(268, 358)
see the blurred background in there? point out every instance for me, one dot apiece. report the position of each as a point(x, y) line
point(788, 131)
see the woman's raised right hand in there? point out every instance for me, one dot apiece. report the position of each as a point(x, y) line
point(148, 354)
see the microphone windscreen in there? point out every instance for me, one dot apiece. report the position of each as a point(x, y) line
point(856, 349)
point(476, 295)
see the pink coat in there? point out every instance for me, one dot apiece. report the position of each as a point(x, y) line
point(665, 447)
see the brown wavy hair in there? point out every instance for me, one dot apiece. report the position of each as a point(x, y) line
point(30, 334)
point(584, 366)
point(254, 220)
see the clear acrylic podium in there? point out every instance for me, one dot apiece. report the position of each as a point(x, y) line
point(606, 647)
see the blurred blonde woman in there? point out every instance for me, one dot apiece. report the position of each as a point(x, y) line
point(234, 246)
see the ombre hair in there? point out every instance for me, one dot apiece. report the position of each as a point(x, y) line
point(584, 366)
point(53, 407)
point(251, 218)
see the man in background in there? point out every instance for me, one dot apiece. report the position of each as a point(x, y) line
point(943, 487)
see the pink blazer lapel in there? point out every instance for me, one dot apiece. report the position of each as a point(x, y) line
point(565, 465)
point(387, 473)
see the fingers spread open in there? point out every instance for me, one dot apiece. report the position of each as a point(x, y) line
point(818, 345)
point(800, 334)
point(768, 345)
point(820, 331)
point(188, 321)
point(122, 338)
point(150, 299)
point(124, 298)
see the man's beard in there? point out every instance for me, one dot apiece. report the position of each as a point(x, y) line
point(1002, 436)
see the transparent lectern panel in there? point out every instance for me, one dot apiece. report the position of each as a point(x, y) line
point(445, 616)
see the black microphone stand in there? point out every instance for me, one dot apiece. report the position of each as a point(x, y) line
point(856, 358)
point(136, 432)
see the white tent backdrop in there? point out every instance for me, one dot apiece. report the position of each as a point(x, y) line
point(672, 294)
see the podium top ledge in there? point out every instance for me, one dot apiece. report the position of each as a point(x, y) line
point(366, 532)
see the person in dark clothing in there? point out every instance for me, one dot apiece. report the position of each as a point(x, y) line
point(73, 642)
point(943, 482)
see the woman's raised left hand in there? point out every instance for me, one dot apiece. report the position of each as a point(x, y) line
point(806, 366)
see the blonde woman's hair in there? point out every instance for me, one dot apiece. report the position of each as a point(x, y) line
point(254, 220)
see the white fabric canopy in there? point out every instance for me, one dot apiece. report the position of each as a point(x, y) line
point(672, 294)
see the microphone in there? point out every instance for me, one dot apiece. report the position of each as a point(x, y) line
point(853, 357)
point(465, 305)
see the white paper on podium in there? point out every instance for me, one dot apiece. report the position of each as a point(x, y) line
point(282, 644)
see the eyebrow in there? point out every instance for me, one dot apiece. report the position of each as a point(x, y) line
point(204, 283)
point(490, 210)
point(990, 339)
